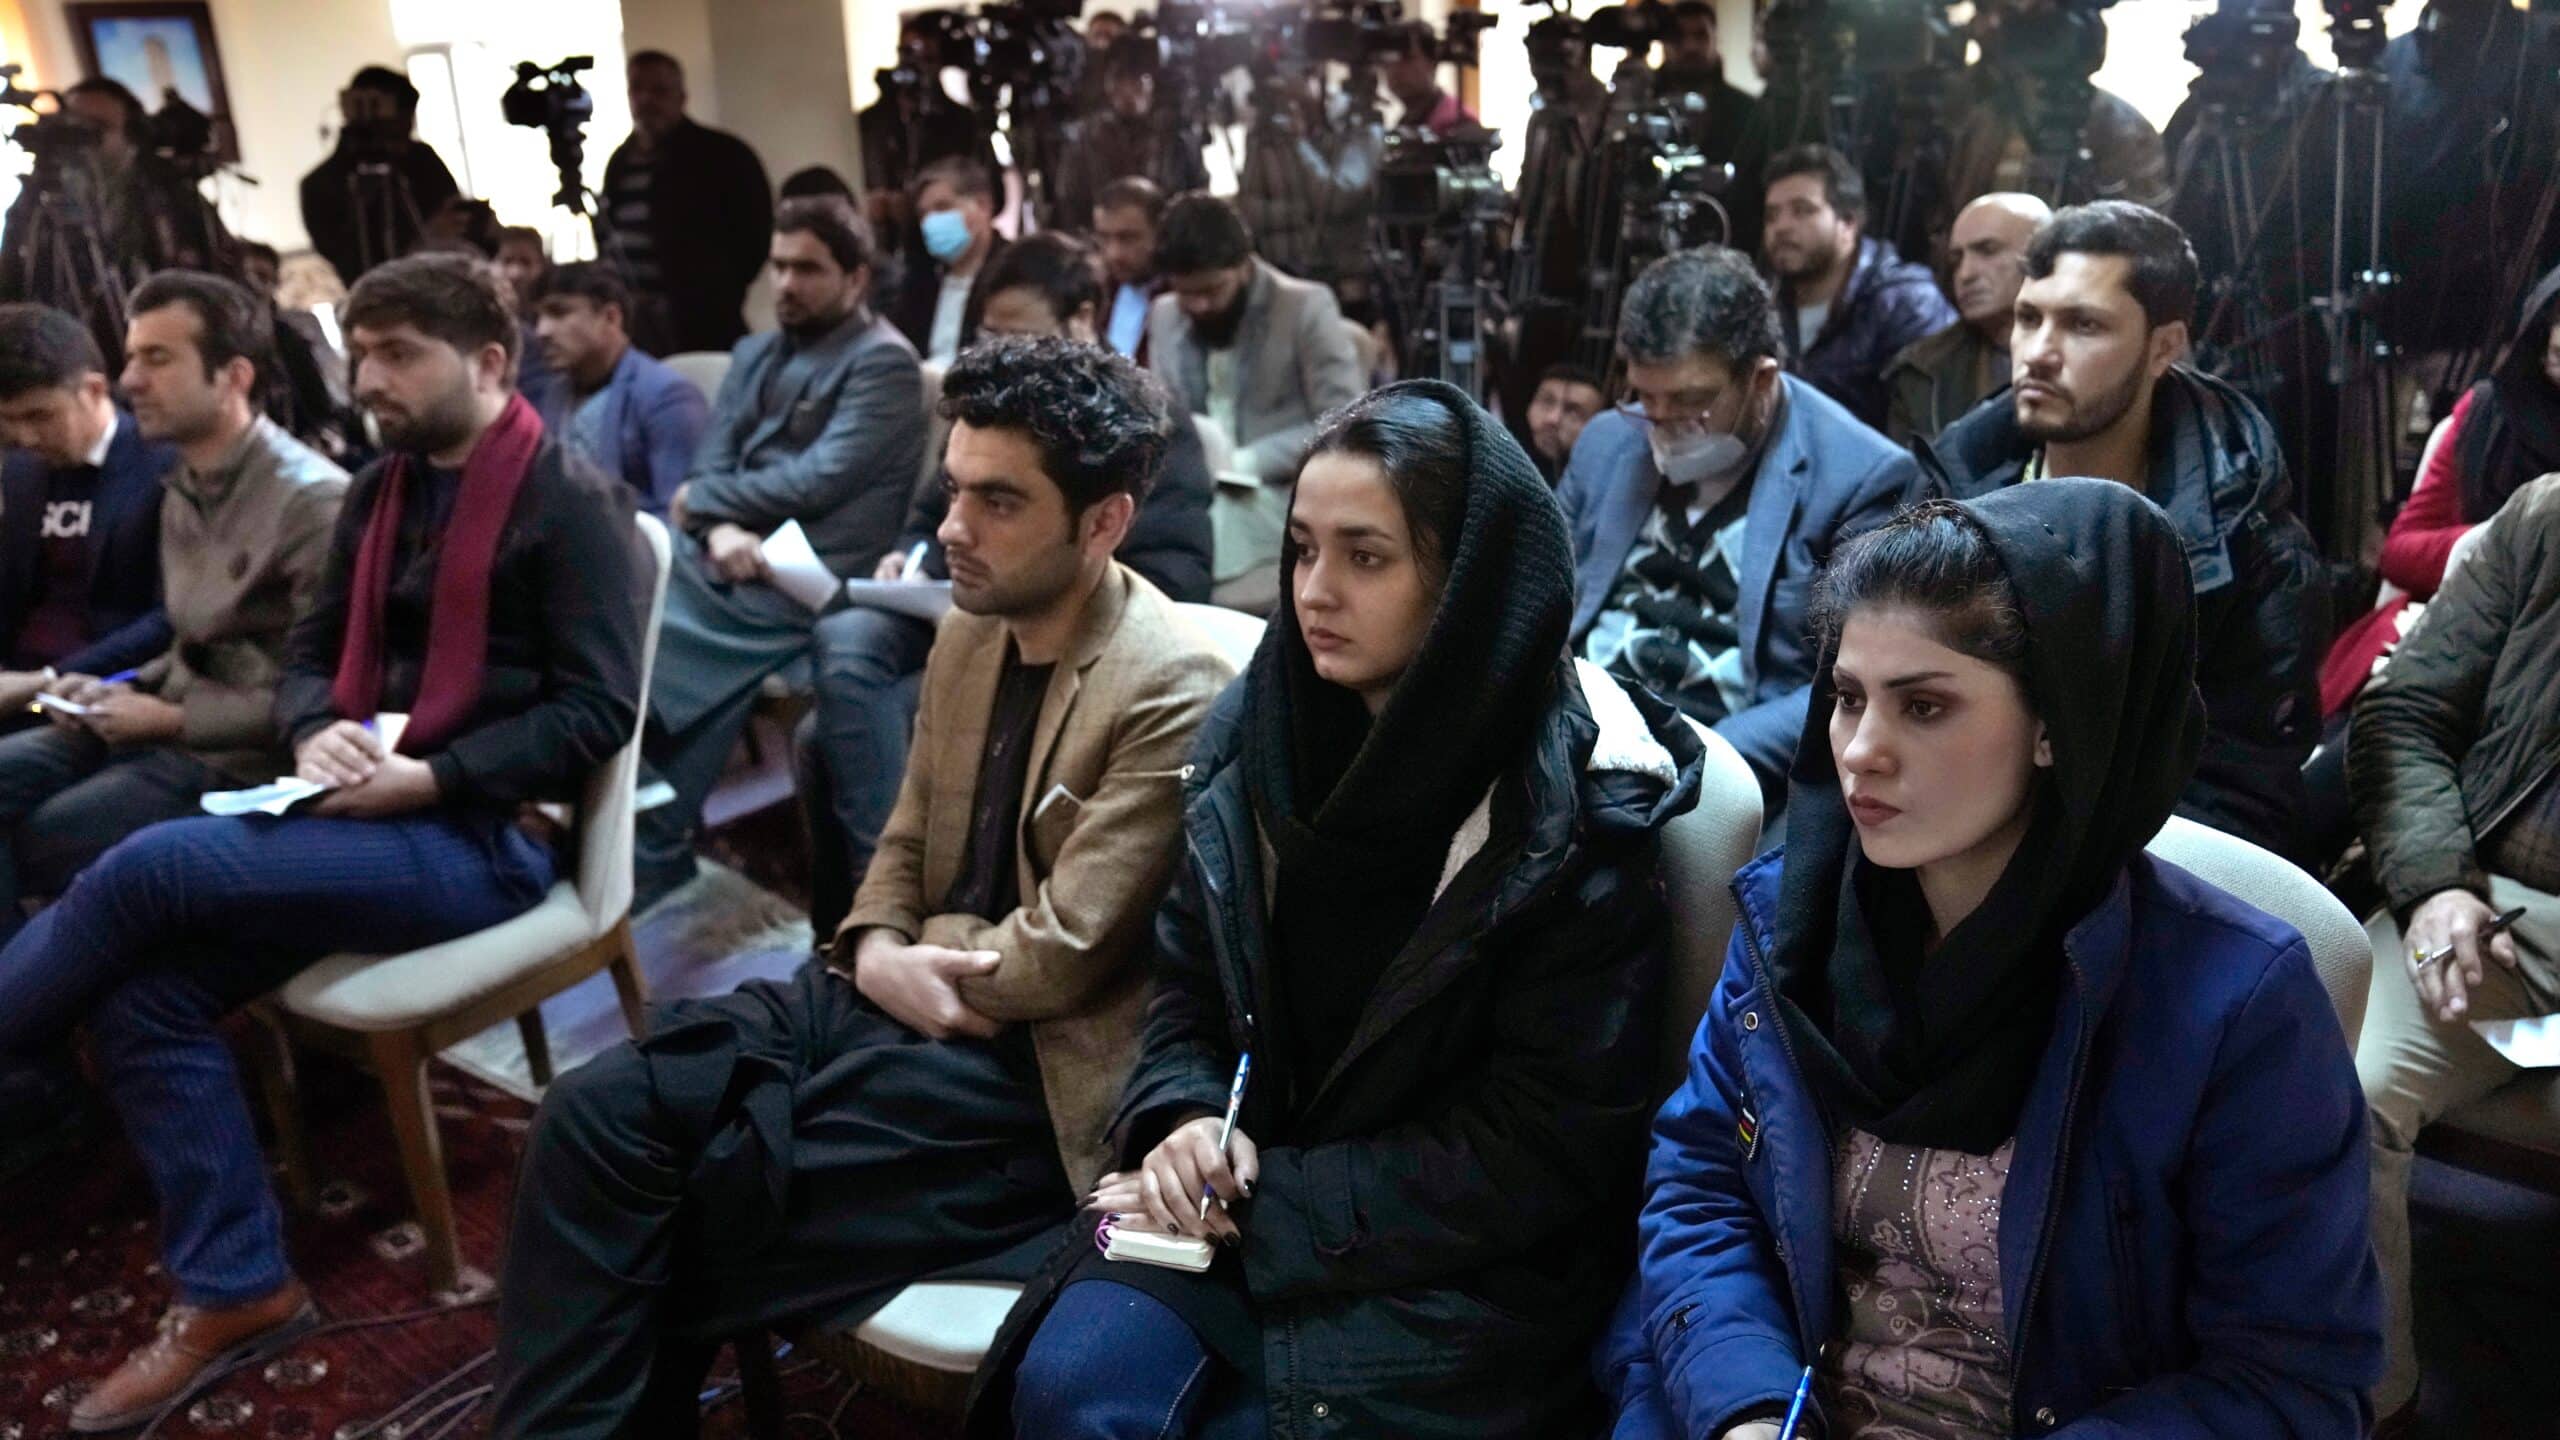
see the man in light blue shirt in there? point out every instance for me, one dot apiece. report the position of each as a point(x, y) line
point(1125, 213)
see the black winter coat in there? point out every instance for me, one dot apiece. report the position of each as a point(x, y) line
point(1442, 1219)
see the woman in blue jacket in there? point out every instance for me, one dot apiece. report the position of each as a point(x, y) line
point(1998, 1125)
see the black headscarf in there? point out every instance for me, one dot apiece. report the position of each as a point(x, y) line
point(2512, 433)
point(1938, 1047)
point(1360, 814)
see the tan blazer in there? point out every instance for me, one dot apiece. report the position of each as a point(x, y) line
point(1100, 827)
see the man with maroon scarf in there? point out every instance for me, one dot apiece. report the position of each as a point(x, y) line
point(488, 588)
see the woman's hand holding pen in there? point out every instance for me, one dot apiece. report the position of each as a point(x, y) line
point(1171, 1178)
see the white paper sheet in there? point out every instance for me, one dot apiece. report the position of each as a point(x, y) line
point(2532, 1043)
point(927, 600)
point(50, 701)
point(797, 570)
point(274, 798)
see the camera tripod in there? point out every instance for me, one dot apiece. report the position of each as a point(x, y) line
point(57, 256)
point(379, 197)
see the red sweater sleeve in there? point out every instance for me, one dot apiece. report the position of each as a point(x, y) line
point(2422, 534)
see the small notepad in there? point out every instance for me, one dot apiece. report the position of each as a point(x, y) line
point(1132, 1238)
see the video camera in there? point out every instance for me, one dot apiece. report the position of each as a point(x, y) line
point(54, 134)
point(549, 97)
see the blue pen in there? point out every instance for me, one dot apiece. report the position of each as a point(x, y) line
point(1795, 1411)
point(120, 677)
point(1235, 1102)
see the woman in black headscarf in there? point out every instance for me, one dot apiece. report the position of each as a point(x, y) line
point(1997, 1126)
point(1419, 889)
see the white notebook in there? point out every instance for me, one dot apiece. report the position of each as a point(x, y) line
point(1134, 1238)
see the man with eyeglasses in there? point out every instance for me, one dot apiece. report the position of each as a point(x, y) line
point(1702, 508)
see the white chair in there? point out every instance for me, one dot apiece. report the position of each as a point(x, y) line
point(702, 369)
point(936, 429)
point(2339, 949)
point(1701, 851)
point(399, 1010)
point(1235, 634)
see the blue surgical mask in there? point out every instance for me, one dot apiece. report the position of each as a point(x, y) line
point(946, 234)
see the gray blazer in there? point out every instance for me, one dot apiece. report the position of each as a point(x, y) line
point(835, 445)
point(1294, 363)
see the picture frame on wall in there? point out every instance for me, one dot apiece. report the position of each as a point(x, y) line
point(153, 47)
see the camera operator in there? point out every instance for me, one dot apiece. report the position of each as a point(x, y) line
point(1124, 136)
point(1693, 64)
point(369, 201)
point(2020, 57)
point(914, 123)
point(690, 212)
point(1308, 181)
point(1412, 73)
point(148, 216)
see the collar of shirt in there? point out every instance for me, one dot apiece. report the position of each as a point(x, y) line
point(97, 456)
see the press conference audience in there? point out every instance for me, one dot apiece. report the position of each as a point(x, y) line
point(80, 504)
point(1130, 135)
point(1258, 355)
point(819, 424)
point(1412, 76)
point(1847, 301)
point(1126, 214)
point(2098, 345)
point(955, 203)
point(370, 200)
point(1964, 983)
point(524, 260)
point(481, 583)
point(687, 211)
point(2455, 797)
point(1936, 379)
point(1700, 513)
point(1421, 1207)
point(929, 1092)
point(624, 412)
point(852, 747)
point(242, 537)
point(1565, 400)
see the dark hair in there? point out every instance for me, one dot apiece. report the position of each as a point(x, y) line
point(1132, 192)
point(1113, 16)
point(43, 349)
point(1688, 8)
point(587, 280)
point(968, 178)
point(383, 80)
point(1704, 301)
point(1128, 62)
point(1062, 268)
point(833, 220)
point(232, 323)
point(461, 300)
point(136, 114)
point(261, 250)
point(815, 180)
point(1935, 558)
point(1843, 188)
point(1102, 424)
point(1415, 37)
point(1422, 446)
point(1571, 374)
point(1200, 232)
point(525, 233)
point(638, 58)
point(2163, 281)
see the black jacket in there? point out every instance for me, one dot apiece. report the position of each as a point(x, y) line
point(1441, 1220)
point(126, 624)
point(711, 214)
point(1888, 303)
point(2262, 597)
point(909, 302)
point(330, 209)
point(568, 597)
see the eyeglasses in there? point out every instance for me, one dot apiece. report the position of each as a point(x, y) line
point(1690, 417)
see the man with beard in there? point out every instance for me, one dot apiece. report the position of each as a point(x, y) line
point(481, 583)
point(929, 1092)
point(1125, 216)
point(2100, 328)
point(1566, 399)
point(1942, 376)
point(685, 210)
point(819, 425)
point(1259, 356)
point(1846, 301)
point(636, 419)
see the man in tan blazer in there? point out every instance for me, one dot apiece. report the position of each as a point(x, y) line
point(929, 1093)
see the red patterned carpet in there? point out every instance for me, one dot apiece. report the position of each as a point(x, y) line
point(80, 1285)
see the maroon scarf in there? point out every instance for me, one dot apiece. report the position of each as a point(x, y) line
point(458, 625)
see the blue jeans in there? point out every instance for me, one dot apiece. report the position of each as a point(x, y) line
point(852, 750)
point(175, 926)
point(1110, 1362)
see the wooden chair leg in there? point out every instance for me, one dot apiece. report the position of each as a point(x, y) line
point(537, 1046)
point(634, 991)
point(400, 1057)
point(271, 1057)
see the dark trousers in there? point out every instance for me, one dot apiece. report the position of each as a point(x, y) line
point(1110, 1362)
point(851, 751)
point(65, 798)
point(783, 1152)
point(180, 923)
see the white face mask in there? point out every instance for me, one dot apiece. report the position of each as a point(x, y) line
point(1689, 455)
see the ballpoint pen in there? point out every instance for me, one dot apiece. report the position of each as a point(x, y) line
point(1226, 1131)
point(1795, 1410)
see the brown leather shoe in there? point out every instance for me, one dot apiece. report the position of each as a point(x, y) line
point(194, 1347)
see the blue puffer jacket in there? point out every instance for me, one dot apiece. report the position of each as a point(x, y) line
point(1888, 303)
point(2183, 1247)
